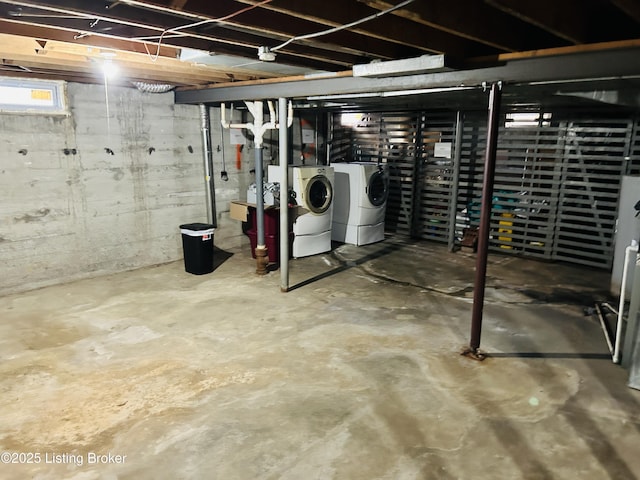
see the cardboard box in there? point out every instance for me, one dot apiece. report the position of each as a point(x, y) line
point(239, 211)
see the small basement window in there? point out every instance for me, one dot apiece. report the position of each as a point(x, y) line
point(32, 96)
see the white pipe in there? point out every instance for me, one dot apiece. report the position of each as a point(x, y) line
point(273, 117)
point(225, 124)
point(623, 287)
point(258, 129)
point(223, 116)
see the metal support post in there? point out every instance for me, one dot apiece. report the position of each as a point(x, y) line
point(485, 222)
point(284, 195)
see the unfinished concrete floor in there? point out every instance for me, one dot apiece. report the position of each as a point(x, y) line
point(354, 374)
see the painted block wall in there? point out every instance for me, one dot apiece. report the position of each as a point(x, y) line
point(82, 212)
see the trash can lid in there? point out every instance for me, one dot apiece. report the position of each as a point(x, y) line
point(196, 226)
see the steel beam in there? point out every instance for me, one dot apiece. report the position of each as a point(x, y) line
point(568, 68)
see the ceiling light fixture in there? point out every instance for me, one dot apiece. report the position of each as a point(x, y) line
point(266, 55)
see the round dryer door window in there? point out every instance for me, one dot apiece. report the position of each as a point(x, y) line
point(319, 194)
point(377, 190)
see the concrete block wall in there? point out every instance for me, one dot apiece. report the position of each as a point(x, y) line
point(70, 209)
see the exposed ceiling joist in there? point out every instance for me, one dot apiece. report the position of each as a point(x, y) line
point(629, 7)
point(13, 27)
point(565, 19)
point(330, 35)
point(487, 31)
point(61, 57)
point(334, 13)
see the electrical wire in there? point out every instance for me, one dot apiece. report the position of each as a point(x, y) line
point(342, 27)
point(197, 24)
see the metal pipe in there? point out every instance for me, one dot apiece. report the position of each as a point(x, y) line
point(208, 165)
point(633, 318)
point(623, 287)
point(329, 140)
point(258, 128)
point(453, 207)
point(605, 327)
point(256, 109)
point(485, 218)
point(258, 117)
point(284, 195)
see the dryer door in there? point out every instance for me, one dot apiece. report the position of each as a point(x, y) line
point(319, 194)
point(377, 190)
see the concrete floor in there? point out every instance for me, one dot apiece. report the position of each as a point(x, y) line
point(354, 374)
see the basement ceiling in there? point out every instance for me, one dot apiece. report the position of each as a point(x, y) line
point(196, 43)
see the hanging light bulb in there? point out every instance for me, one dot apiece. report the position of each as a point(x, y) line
point(109, 69)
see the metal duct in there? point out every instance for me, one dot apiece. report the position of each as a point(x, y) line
point(208, 166)
point(153, 87)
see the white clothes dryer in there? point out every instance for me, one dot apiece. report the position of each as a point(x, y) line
point(360, 199)
point(313, 191)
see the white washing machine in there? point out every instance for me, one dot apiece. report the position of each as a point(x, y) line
point(313, 190)
point(360, 198)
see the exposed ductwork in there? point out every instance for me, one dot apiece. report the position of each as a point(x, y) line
point(153, 87)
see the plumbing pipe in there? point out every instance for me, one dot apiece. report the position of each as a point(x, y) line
point(273, 118)
point(453, 207)
point(605, 327)
point(258, 128)
point(485, 222)
point(631, 332)
point(223, 119)
point(208, 166)
point(623, 287)
point(262, 260)
point(284, 196)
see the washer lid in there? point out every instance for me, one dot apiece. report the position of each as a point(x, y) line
point(377, 190)
point(318, 194)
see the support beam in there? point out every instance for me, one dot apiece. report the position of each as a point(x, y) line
point(283, 155)
point(60, 56)
point(473, 351)
point(617, 61)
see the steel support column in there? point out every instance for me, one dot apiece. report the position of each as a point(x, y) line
point(485, 222)
point(284, 194)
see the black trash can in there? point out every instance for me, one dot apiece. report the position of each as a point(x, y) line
point(197, 247)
